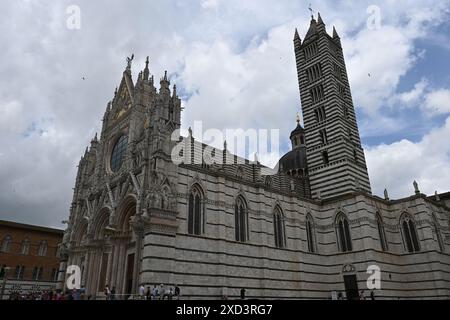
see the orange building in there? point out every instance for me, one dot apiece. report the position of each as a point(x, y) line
point(30, 252)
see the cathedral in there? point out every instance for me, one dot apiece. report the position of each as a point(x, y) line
point(311, 230)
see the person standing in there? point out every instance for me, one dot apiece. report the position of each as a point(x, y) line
point(148, 294)
point(82, 293)
point(372, 295)
point(154, 292)
point(142, 292)
point(177, 292)
point(243, 294)
point(107, 292)
point(113, 293)
point(161, 292)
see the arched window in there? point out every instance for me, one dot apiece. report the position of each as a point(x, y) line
point(6, 244)
point(25, 247)
point(381, 233)
point(37, 273)
point(241, 220)
point(438, 234)
point(310, 234)
point(18, 273)
point(279, 230)
point(409, 234)
point(343, 233)
point(195, 213)
point(42, 250)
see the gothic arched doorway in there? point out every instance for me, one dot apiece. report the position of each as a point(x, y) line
point(123, 276)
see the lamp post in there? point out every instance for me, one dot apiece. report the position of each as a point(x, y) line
point(5, 269)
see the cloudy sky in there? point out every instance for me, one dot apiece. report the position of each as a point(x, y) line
point(233, 63)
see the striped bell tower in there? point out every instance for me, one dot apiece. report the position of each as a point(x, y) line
point(335, 157)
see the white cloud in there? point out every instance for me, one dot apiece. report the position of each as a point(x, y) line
point(210, 4)
point(235, 58)
point(438, 102)
point(414, 97)
point(12, 117)
point(397, 165)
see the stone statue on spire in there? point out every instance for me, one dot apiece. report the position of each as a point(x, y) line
point(129, 61)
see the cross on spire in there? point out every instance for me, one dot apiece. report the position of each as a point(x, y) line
point(312, 11)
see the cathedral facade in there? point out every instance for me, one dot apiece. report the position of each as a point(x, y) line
point(311, 229)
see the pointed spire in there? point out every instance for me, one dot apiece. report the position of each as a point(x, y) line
point(312, 29)
point(175, 91)
point(165, 83)
point(335, 34)
point(146, 70)
point(320, 24)
point(319, 18)
point(296, 35)
point(95, 140)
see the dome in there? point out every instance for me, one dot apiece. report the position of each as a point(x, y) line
point(293, 160)
point(298, 130)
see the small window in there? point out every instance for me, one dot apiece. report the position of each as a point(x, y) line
point(25, 247)
point(37, 273)
point(323, 136)
point(325, 157)
point(42, 250)
point(381, 233)
point(18, 273)
point(310, 234)
point(320, 114)
point(195, 212)
point(409, 234)
point(343, 233)
point(54, 275)
point(241, 220)
point(345, 111)
point(438, 234)
point(6, 244)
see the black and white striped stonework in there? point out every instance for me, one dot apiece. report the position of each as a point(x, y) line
point(336, 160)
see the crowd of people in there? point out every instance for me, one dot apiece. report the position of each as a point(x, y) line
point(48, 295)
point(157, 292)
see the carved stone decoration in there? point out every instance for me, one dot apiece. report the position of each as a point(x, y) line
point(348, 268)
